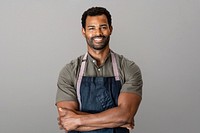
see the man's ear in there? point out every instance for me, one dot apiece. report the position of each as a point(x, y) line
point(111, 29)
point(83, 32)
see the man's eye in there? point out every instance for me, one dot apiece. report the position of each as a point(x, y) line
point(92, 28)
point(104, 27)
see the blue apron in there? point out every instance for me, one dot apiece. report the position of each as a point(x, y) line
point(97, 94)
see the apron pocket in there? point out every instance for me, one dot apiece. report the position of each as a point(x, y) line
point(105, 99)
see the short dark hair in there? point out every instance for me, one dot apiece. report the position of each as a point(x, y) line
point(95, 11)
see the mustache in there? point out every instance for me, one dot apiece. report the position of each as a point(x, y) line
point(98, 36)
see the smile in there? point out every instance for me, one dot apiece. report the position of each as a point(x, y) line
point(98, 39)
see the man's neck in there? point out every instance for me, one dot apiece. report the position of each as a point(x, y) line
point(99, 55)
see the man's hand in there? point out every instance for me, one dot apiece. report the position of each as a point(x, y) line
point(129, 126)
point(61, 114)
point(68, 119)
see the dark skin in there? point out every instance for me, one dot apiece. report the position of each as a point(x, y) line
point(70, 118)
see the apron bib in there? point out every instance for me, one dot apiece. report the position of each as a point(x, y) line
point(97, 94)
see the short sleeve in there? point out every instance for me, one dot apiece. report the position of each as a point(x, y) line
point(132, 78)
point(66, 89)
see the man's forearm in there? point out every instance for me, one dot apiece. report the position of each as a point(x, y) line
point(84, 128)
point(120, 116)
point(115, 117)
point(110, 118)
point(102, 125)
point(76, 116)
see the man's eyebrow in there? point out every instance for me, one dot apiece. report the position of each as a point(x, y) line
point(90, 26)
point(95, 25)
point(103, 25)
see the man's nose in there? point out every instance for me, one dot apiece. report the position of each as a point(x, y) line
point(99, 32)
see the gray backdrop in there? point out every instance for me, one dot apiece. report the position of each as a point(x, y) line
point(38, 37)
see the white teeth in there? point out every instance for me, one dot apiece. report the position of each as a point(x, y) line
point(98, 39)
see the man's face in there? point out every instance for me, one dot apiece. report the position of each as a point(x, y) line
point(97, 32)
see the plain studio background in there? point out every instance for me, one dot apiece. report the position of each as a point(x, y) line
point(38, 37)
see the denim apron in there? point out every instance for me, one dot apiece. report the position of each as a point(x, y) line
point(97, 94)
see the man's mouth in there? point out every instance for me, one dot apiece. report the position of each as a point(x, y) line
point(98, 39)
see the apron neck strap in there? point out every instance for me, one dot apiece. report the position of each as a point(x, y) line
point(114, 64)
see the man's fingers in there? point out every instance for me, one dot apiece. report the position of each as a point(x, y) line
point(128, 126)
point(60, 125)
point(62, 112)
point(60, 109)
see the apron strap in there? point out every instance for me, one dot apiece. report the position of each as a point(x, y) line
point(81, 73)
point(115, 68)
point(80, 76)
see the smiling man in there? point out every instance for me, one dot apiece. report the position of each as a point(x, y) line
point(98, 92)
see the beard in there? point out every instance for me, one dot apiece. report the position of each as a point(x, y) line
point(98, 45)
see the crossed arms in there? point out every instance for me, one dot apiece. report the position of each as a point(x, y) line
point(70, 118)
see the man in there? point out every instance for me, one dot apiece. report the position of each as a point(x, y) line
point(98, 92)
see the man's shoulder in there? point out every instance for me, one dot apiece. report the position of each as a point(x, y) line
point(122, 59)
point(75, 62)
point(73, 65)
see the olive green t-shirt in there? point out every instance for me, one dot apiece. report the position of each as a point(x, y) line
point(129, 72)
